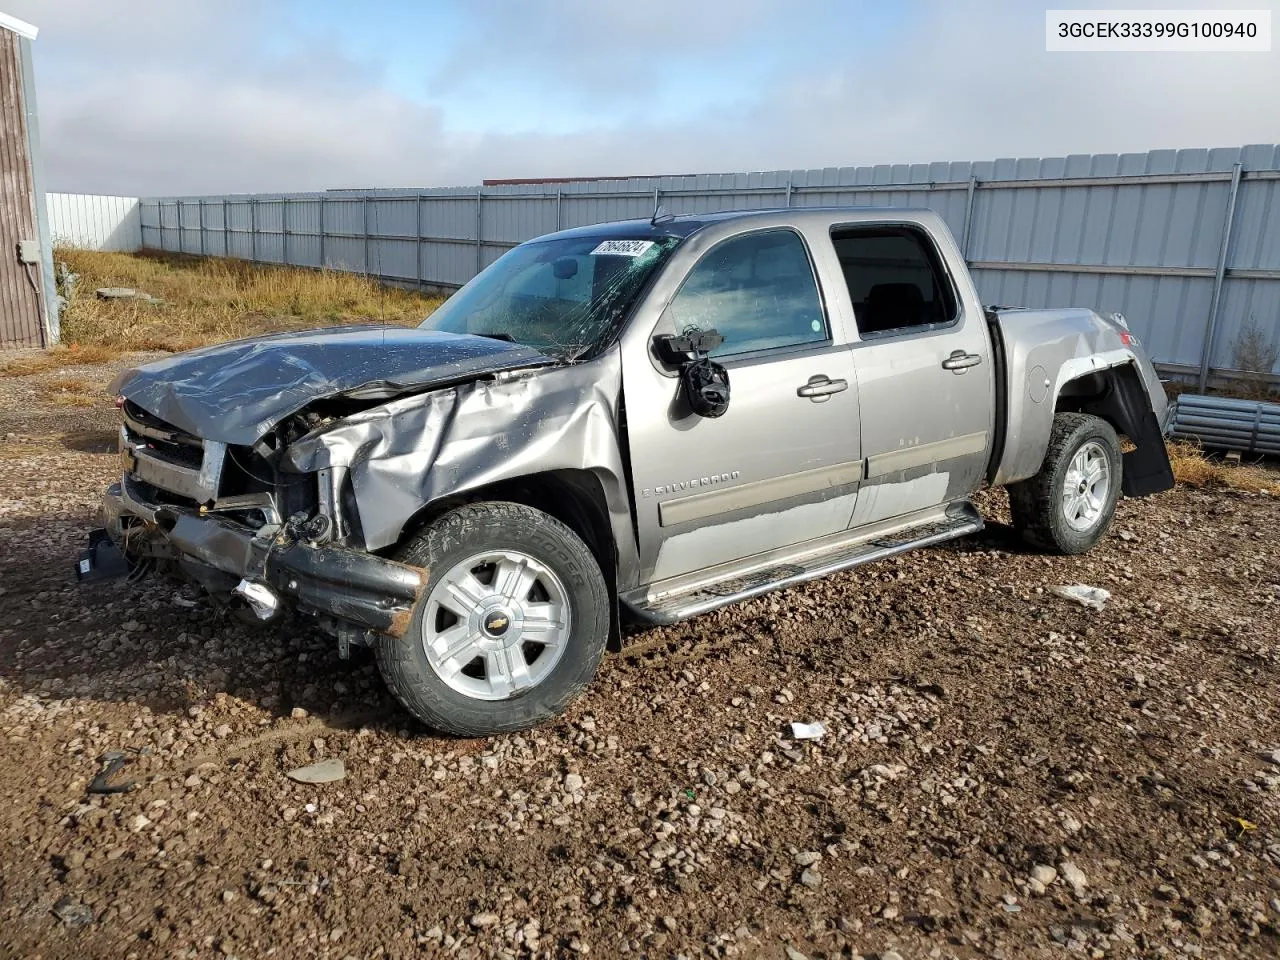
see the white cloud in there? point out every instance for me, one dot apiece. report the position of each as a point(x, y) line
point(155, 97)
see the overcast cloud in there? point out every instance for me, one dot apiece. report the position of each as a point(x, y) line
point(151, 98)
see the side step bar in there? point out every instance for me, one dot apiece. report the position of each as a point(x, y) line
point(673, 607)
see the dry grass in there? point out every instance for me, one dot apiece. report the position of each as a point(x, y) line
point(58, 358)
point(66, 391)
point(210, 300)
point(1192, 468)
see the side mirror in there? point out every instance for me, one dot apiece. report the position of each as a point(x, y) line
point(706, 387)
point(705, 383)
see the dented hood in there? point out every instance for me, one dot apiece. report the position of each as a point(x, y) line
point(235, 392)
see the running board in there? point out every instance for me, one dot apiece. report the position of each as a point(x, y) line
point(673, 607)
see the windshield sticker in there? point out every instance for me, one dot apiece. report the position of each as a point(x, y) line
point(622, 248)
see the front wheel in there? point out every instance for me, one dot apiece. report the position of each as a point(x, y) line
point(1069, 504)
point(510, 628)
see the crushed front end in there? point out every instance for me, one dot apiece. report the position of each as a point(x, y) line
point(227, 518)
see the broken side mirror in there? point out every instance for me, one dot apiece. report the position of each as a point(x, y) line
point(706, 387)
point(705, 383)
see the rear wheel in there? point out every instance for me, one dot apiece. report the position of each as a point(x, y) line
point(1068, 506)
point(511, 626)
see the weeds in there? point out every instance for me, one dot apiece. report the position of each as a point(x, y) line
point(58, 358)
point(66, 391)
point(1193, 469)
point(209, 300)
point(1255, 354)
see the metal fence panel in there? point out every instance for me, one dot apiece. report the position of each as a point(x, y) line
point(1180, 241)
point(94, 222)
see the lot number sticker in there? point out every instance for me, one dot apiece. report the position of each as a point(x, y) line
point(622, 248)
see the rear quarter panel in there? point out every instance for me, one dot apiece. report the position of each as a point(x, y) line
point(1044, 351)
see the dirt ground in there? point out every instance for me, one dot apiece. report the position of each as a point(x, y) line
point(1005, 774)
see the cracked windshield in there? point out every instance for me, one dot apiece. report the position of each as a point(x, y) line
point(562, 297)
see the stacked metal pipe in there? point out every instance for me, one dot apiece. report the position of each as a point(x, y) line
point(1225, 423)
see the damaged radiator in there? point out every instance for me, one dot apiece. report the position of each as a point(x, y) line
point(1224, 423)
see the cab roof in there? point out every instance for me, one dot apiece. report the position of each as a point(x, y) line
point(683, 226)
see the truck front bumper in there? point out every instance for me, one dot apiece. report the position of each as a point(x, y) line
point(354, 587)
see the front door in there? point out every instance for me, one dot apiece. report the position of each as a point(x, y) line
point(782, 465)
point(925, 373)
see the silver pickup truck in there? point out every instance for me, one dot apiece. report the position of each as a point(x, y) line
point(634, 421)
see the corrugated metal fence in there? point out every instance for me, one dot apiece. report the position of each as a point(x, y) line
point(1177, 240)
point(94, 222)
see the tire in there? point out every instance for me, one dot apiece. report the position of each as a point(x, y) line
point(1045, 512)
point(509, 586)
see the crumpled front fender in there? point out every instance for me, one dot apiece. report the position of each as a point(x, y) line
point(405, 454)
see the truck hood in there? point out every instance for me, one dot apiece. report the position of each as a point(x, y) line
point(235, 392)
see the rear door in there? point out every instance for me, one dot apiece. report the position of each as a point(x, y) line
point(924, 368)
point(782, 464)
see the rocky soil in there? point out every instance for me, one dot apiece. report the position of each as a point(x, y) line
point(1004, 773)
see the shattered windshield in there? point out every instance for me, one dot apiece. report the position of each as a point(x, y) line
point(562, 297)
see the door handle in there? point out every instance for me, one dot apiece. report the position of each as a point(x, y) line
point(959, 361)
point(820, 387)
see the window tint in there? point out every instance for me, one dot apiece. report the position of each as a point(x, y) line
point(758, 291)
point(895, 280)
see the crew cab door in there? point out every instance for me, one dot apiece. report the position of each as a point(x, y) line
point(783, 463)
point(924, 367)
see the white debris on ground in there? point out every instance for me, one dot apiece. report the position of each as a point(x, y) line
point(1095, 598)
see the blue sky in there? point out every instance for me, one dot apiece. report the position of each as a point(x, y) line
point(205, 96)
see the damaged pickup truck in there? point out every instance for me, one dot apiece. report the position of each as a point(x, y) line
point(557, 450)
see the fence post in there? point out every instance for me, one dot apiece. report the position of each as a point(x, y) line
point(417, 241)
point(323, 263)
point(253, 229)
point(788, 191)
point(284, 229)
point(365, 209)
point(968, 217)
point(226, 230)
point(181, 248)
point(1215, 303)
point(559, 205)
point(202, 242)
point(479, 229)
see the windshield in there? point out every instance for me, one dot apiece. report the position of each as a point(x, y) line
point(562, 297)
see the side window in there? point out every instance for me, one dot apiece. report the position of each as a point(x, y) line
point(895, 280)
point(757, 290)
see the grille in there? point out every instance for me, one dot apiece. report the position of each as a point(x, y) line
point(169, 459)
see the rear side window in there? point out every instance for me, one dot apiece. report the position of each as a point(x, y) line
point(757, 290)
point(895, 280)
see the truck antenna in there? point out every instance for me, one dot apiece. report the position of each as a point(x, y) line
point(660, 213)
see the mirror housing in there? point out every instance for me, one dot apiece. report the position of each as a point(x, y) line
point(705, 383)
point(706, 387)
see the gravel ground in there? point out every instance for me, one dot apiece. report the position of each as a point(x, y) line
point(1005, 773)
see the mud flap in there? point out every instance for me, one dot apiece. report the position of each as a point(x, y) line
point(101, 559)
point(1147, 469)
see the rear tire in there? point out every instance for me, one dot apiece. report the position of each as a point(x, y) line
point(1068, 506)
point(510, 628)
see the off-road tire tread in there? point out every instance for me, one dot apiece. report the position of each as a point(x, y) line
point(1034, 502)
point(497, 524)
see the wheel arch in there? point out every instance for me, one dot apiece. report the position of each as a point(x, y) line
point(574, 497)
point(1118, 396)
point(1115, 393)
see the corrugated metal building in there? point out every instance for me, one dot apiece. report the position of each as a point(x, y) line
point(28, 303)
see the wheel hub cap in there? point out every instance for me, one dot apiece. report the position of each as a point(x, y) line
point(1086, 487)
point(496, 624)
